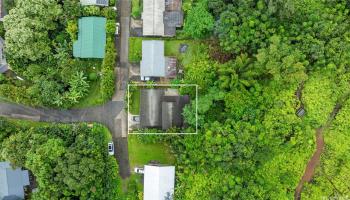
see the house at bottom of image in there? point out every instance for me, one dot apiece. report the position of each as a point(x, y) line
point(162, 108)
point(12, 182)
point(159, 182)
point(154, 64)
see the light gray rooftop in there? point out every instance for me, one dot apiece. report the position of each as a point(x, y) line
point(159, 182)
point(152, 17)
point(12, 181)
point(153, 59)
point(94, 2)
point(150, 108)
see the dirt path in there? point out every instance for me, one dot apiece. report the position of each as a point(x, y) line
point(315, 159)
point(312, 164)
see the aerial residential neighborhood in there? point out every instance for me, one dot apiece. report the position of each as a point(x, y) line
point(174, 99)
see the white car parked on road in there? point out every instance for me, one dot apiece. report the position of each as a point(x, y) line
point(110, 148)
point(117, 25)
point(138, 170)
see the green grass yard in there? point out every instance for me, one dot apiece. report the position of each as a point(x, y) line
point(136, 9)
point(135, 49)
point(140, 153)
point(135, 102)
point(93, 98)
point(171, 47)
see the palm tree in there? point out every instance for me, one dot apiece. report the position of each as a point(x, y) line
point(238, 74)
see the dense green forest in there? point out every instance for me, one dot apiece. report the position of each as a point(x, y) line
point(257, 63)
point(68, 161)
point(39, 36)
point(269, 58)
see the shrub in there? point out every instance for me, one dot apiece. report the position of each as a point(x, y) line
point(199, 22)
point(72, 29)
point(110, 27)
point(2, 30)
point(9, 4)
point(91, 11)
point(92, 76)
point(107, 80)
point(112, 2)
point(109, 13)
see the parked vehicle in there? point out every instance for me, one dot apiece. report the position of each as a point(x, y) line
point(139, 170)
point(110, 148)
point(136, 118)
point(117, 25)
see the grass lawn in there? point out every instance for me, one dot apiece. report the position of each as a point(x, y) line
point(140, 153)
point(132, 187)
point(135, 49)
point(171, 47)
point(135, 102)
point(136, 9)
point(93, 98)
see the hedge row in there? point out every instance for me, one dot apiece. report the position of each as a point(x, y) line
point(108, 78)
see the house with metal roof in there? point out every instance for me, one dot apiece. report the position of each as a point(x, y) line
point(94, 2)
point(12, 182)
point(3, 64)
point(153, 59)
point(159, 182)
point(3, 11)
point(154, 63)
point(91, 41)
point(161, 17)
point(162, 108)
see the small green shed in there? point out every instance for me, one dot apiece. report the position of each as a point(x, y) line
point(91, 41)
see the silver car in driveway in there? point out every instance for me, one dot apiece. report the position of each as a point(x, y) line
point(136, 118)
point(110, 148)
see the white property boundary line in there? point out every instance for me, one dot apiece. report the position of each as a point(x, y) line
point(164, 85)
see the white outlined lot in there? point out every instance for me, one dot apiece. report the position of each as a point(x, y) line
point(167, 86)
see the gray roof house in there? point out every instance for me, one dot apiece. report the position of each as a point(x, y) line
point(159, 109)
point(3, 64)
point(154, 63)
point(159, 182)
point(2, 10)
point(94, 2)
point(161, 17)
point(12, 182)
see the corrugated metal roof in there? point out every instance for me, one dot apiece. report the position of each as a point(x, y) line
point(91, 41)
point(153, 59)
point(94, 2)
point(152, 17)
point(150, 108)
point(159, 182)
point(12, 181)
point(3, 68)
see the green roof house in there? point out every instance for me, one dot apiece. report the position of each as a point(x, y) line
point(91, 41)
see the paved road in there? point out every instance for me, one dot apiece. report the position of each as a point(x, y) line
point(111, 114)
point(120, 133)
point(102, 114)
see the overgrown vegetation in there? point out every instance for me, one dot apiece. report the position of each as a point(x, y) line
point(39, 38)
point(142, 152)
point(171, 47)
point(68, 161)
point(134, 100)
point(136, 9)
point(251, 143)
